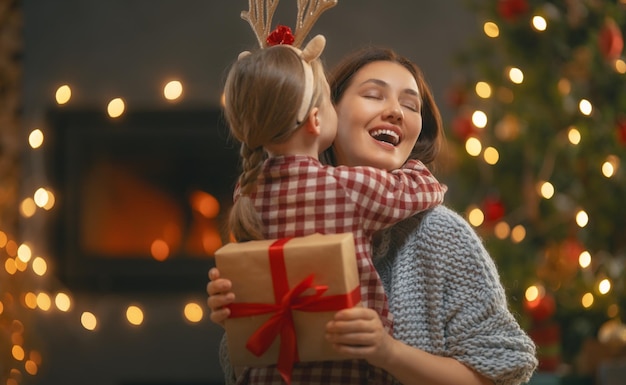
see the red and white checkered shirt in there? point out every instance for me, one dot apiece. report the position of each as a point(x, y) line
point(296, 195)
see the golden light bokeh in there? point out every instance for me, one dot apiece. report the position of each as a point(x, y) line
point(24, 253)
point(546, 190)
point(475, 216)
point(587, 300)
point(18, 352)
point(533, 293)
point(604, 286)
point(479, 119)
point(539, 23)
point(43, 301)
point(30, 300)
point(473, 146)
point(28, 207)
point(502, 230)
point(89, 321)
point(116, 107)
point(491, 155)
point(516, 75)
point(134, 315)
point(585, 107)
point(63, 301)
point(63, 94)
point(193, 312)
point(173, 90)
point(582, 218)
point(518, 234)
point(35, 138)
point(483, 90)
point(491, 29)
point(40, 266)
point(584, 259)
point(574, 135)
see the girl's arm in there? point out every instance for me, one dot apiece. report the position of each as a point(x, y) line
point(383, 198)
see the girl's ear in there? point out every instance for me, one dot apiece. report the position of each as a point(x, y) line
point(312, 124)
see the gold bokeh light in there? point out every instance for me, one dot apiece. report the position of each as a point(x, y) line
point(193, 312)
point(539, 23)
point(40, 266)
point(134, 315)
point(116, 107)
point(473, 146)
point(63, 301)
point(63, 94)
point(89, 321)
point(35, 138)
point(173, 90)
point(491, 29)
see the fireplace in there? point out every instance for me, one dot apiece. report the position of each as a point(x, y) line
point(142, 200)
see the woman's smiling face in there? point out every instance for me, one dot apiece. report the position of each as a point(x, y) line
point(379, 117)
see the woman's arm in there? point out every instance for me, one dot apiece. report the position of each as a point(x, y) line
point(447, 299)
point(220, 296)
point(358, 332)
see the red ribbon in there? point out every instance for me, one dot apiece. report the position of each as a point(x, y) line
point(286, 300)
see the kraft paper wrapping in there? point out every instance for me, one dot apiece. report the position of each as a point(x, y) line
point(331, 258)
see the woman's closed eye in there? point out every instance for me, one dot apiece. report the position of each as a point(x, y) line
point(413, 106)
point(373, 95)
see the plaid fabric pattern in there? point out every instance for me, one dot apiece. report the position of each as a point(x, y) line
point(296, 196)
point(355, 372)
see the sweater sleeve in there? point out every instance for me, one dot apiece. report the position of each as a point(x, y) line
point(229, 372)
point(480, 330)
point(447, 299)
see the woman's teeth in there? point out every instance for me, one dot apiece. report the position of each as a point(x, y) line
point(387, 136)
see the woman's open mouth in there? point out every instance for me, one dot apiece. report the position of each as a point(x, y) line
point(386, 135)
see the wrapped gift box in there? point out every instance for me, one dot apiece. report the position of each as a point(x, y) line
point(332, 261)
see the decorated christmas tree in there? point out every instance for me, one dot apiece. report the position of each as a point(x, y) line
point(538, 147)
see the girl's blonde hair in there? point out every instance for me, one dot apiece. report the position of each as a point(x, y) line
point(262, 97)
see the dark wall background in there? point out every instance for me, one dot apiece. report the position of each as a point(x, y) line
point(130, 48)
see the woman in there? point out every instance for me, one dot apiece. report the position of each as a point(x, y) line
point(451, 320)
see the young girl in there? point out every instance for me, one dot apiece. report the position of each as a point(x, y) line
point(277, 104)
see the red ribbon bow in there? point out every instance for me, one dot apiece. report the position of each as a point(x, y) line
point(286, 300)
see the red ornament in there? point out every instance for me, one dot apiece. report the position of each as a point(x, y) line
point(571, 249)
point(281, 35)
point(610, 40)
point(621, 131)
point(547, 337)
point(512, 9)
point(463, 127)
point(541, 308)
point(493, 209)
point(456, 96)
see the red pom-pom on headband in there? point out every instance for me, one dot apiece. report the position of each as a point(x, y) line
point(281, 35)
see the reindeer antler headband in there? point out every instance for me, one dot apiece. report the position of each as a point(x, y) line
point(260, 15)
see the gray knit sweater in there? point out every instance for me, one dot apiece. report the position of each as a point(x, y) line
point(446, 297)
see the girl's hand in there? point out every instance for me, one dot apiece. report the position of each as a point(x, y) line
point(220, 296)
point(358, 332)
